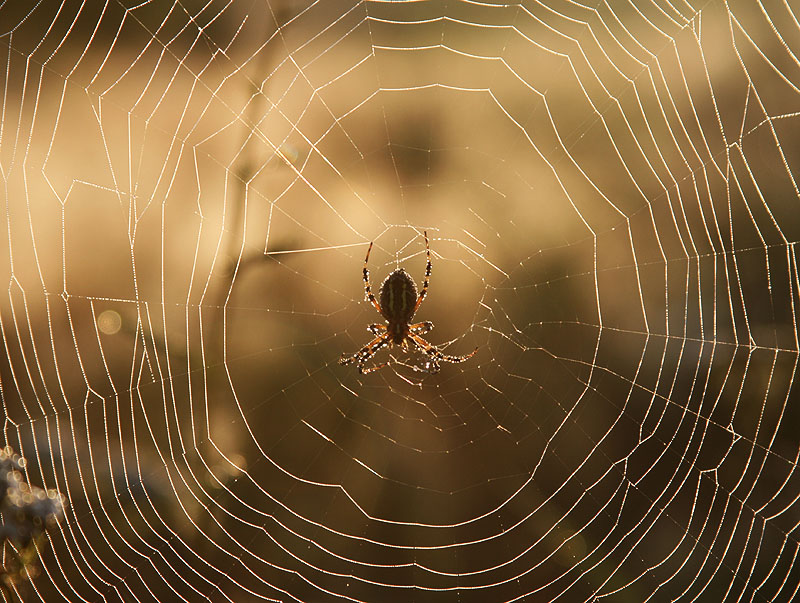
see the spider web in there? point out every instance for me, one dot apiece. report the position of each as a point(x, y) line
point(610, 191)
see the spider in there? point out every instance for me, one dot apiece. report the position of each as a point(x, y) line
point(398, 304)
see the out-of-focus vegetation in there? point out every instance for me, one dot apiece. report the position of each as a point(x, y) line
point(26, 512)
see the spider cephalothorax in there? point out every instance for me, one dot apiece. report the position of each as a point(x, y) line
point(399, 302)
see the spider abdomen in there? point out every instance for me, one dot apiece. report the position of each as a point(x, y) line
point(398, 297)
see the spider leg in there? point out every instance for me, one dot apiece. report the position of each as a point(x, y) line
point(421, 328)
point(377, 329)
point(377, 367)
point(435, 354)
point(424, 291)
point(364, 354)
point(367, 286)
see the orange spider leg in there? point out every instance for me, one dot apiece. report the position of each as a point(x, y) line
point(421, 328)
point(367, 286)
point(428, 267)
point(377, 329)
point(364, 354)
point(435, 354)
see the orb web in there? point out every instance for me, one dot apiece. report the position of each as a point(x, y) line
point(609, 190)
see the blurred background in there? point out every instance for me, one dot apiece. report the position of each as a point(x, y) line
point(610, 192)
